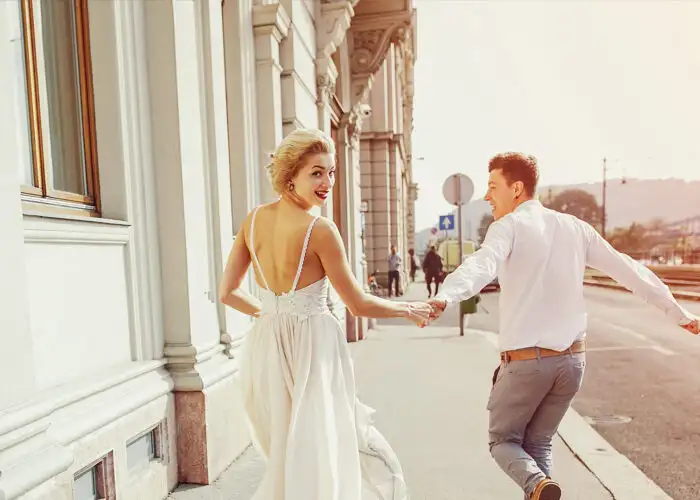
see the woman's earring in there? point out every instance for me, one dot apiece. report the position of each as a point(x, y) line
point(291, 187)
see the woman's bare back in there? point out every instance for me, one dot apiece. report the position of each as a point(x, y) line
point(279, 235)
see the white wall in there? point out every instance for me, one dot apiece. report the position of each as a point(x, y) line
point(78, 290)
point(16, 372)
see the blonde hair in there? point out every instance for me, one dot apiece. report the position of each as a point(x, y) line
point(292, 152)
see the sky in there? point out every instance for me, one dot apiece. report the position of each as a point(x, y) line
point(569, 81)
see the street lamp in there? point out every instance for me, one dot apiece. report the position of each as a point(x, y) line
point(605, 195)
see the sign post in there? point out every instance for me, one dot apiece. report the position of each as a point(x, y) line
point(458, 190)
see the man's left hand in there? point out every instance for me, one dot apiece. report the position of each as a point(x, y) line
point(693, 327)
point(438, 307)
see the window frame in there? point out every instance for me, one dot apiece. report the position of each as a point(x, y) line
point(336, 111)
point(103, 473)
point(41, 195)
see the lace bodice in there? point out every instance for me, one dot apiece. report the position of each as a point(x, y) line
point(307, 301)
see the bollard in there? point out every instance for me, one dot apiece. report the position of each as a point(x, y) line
point(467, 307)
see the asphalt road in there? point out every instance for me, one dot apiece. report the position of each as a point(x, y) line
point(643, 378)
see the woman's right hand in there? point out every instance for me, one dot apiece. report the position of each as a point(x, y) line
point(418, 312)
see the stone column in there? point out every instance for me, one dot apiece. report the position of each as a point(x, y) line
point(326, 75)
point(195, 356)
point(379, 178)
point(271, 25)
point(247, 174)
point(351, 125)
point(394, 181)
point(334, 21)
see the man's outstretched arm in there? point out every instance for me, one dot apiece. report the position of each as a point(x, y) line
point(637, 278)
point(480, 268)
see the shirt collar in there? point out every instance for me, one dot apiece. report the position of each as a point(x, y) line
point(527, 204)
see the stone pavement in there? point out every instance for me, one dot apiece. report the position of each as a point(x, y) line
point(430, 387)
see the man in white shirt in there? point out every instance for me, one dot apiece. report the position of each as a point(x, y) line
point(395, 271)
point(540, 256)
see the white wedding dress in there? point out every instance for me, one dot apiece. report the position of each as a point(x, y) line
point(317, 439)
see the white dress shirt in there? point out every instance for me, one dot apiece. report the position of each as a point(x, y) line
point(540, 256)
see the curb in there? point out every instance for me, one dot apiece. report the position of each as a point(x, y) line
point(678, 295)
point(613, 470)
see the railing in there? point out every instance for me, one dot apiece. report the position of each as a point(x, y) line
point(684, 281)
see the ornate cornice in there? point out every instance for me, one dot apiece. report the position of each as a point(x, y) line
point(371, 39)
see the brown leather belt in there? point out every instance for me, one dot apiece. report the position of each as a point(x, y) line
point(531, 352)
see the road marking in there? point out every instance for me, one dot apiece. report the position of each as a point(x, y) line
point(639, 336)
point(657, 348)
point(622, 329)
point(663, 350)
point(629, 331)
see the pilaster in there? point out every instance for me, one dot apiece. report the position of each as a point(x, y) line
point(270, 26)
point(186, 129)
point(241, 98)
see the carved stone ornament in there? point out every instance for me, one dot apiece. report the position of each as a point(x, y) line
point(354, 127)
point(335, 22)
point(370, 46)
point(326, 77)
point(325, 85)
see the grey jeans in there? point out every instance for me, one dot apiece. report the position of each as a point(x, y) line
point(527, 403)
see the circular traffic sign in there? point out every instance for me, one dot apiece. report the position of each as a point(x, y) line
point(458, 189)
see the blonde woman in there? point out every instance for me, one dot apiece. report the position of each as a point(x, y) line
point(297, 374)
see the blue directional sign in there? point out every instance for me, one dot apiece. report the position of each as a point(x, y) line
point(447, 222)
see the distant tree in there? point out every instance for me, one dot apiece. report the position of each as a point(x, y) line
point(486, 221)
point(578, 203)
point(656, 233)
point(632, 240)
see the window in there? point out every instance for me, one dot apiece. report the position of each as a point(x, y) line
point(96, 482)
point(85, 486)
point(48, 45)
point(144, 449)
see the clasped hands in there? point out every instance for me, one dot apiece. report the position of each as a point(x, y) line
point(424, 313)
point(693, 326)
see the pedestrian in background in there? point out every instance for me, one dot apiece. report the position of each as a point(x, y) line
point(432, 267)
point(414, 264)
point(395, 271)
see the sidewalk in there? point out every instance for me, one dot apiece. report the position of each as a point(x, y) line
point(430, 387)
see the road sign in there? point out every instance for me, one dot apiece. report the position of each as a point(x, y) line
point(447, 222)
point(458, 189)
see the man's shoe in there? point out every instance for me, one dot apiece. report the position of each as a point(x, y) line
point(546, 490)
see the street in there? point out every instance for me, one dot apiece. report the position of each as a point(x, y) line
point(642, 386)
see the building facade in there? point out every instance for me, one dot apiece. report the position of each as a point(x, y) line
point(134, 135)
point(387, 188)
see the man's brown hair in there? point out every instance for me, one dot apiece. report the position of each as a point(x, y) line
point(517, 167)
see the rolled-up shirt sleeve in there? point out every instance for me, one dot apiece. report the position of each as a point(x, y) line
point(633, 275)
point(480, 268)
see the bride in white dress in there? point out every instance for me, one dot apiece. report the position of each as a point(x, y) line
point(297, 374)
